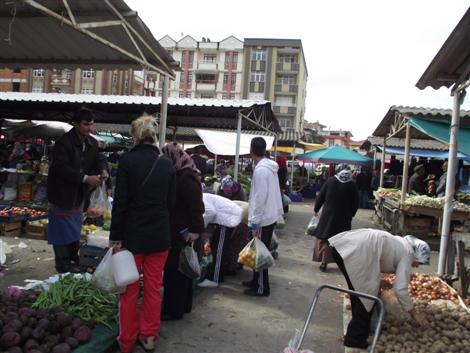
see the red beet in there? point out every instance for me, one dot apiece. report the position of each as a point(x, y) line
point(82, 334)
point(10, 339)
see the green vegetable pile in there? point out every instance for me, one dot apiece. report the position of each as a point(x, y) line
point(245, 182)
point(79, 298)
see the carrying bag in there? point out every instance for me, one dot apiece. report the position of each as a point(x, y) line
point(103, 277)
point(98, 202)
point(188, 263)
point(312, 226)
point(256, 255)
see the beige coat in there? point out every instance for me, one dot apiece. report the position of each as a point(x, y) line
point(368, 252)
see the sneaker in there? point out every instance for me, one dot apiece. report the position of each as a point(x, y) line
point(148, 343)
point(253, 292)
point(208, 284)
point(249, 284)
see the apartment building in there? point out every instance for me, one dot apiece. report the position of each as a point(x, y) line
point(85, 81)
point(208, 69)
point(275, 70)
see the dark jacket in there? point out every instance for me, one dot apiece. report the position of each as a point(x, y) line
point(141, 212)
point(201, 163)
point(416, 184)
point(340, 202)
point(282, 175)
point(363, 181)
point(72, 159)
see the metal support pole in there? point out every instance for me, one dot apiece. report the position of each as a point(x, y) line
point(163, 112)
point(382, 164)
point(450, 184)
point(215, 165)
point(406, 163)
point(237, 148)
point(275, 147)
point(292, 169)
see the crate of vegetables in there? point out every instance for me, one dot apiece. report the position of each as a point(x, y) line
point(13, 214)
point(35, 214)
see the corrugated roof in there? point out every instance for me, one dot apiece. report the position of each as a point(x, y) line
point(428, 113)
point(40, 40)
point(414, 143)
point(452, 63)
point(290, 135)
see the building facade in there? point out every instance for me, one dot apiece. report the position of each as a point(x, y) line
point(208, 69)
point(275, 70)
point(118, 82)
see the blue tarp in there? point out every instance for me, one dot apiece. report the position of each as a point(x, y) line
point(418, 152)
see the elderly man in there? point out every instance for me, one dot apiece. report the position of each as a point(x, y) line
point(416, 184)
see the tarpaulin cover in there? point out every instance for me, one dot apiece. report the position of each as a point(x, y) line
point(335, 154)
point(441, 132)
point(418, 152)
point(224, 143)
point(102, 339)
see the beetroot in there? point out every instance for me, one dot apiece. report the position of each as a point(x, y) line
point(61, 348)
point(26, 332)
point(12, 315)
point(14, 325)
point(10, 339)
point(72, 342)
point(52, 340)
point(32, 322)
point(44, 323)
point(53, 327)
point(15, 349)
point(67, 331)
point(41, 313)
point(82, 334)
point(34, 350)
point(38, 333)
point(30, 344)
point(63, 319)
point(76, 323)
point(44, 348)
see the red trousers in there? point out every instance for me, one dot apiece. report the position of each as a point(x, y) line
point(147, 322)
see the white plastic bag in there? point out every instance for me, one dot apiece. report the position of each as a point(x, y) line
point(98, 202)
point(188, 263)
point(256, 255)
point(103, 277)
point(312, 226)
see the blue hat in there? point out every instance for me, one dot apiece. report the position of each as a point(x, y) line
point(420, 248)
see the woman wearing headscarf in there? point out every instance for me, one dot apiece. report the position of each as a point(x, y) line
point(361, 255)
point(186, 225)
point(339, 201)
point(144, 196)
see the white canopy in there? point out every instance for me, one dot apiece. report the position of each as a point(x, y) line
point(223, 143)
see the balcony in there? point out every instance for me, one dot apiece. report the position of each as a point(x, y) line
point(207, 66)
point(285, 88)
point(60, 80)
point(205, 85)
point(287, 67)
point(284, 110)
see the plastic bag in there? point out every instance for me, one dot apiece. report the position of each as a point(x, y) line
point(103, 276)
point(188, 263)
point(256, 255)
point(312, 226)
point(281, 223)
point(98, 202)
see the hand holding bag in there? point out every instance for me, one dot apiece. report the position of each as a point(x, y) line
point(188, 263)
point(103, 277)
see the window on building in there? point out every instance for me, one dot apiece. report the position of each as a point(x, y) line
point(234, 79)
point(206, 78)
point(126, 84)
point(284, 101)
point(37, 89)
point(209, 58)
point(38, 72)
point(185, 94)
point(234, 57)
point(285, 123)
point(286, 79)
point(257, 76)
point(17, 70)
point(170, 52)
point(207, 95)
point(87, 90)
point(256, 96)
point(67, 74)
point(228, 96)
point(331, 142)
point(115, 77)
point(258, 54)
point(187, 56)
point(287, 58)
point(15, 86)
point(88, 73)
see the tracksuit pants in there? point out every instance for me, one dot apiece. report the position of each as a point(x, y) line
point(146, 321)
point(220, 245)
point(261, 278)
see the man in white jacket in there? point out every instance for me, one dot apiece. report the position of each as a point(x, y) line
point(265, 207)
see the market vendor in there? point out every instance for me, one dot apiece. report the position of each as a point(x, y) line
point(75, 170)
point(416, 183)
point(362, 255)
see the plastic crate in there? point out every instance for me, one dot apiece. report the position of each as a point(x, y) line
point(90, 257)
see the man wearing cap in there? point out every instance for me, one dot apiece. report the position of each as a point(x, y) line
point(416, 184)
point(362, 255)
point(75, 170)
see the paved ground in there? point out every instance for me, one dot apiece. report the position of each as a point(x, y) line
point(226, 321)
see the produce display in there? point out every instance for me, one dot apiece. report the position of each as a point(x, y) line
point(389, 192)
point(449, 331)
point(424, 287)
point(463, 197)
point(24, 329)
point(434, 202)
point(21, 211)
point(245, 182)
point(79, 298)
point(88, 228)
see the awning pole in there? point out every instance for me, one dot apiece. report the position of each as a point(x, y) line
point(450, 184)
point(275, 146)
point(215, 165)
point(237, 149)
point(163, 112)
point(406, 163)
point(382, 164)
point(292, 169)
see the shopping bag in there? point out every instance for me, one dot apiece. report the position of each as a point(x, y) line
point(188, 263)
point(256, 255)
point(103, 277)
point(98, 202)
point(281, 223)
point(312, 226)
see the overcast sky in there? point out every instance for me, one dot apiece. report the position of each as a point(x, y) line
point(362, 56)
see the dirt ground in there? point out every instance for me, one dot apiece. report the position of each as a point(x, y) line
point(224, 320)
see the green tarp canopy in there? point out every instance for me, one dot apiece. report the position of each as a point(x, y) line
point(335, 155)
point(441, 132)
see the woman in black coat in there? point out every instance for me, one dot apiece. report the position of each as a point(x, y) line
point(339, 199)
point(186, 225)
point(144, 195)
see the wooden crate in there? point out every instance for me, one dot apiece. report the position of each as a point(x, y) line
point(11, 229)
point(25, 192)
point(35, 230)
